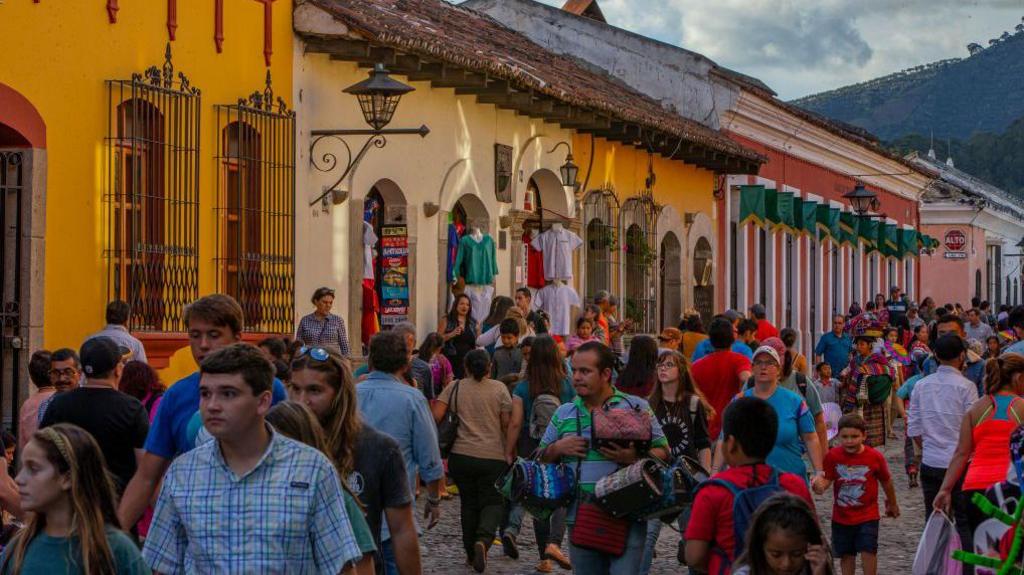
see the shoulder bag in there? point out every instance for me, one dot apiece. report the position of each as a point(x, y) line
point(448, 427)
point(623, 427)
point(596, 529)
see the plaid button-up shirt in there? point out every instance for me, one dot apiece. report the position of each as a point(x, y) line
point(286, 515)
point(328, 332)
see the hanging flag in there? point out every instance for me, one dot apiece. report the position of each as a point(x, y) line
point(848, 228)
point(887, 240)
point(867, 231)
point(784, 211)
point(828, 222)
point(908, 242)
point(809, 217)
point(753, 207)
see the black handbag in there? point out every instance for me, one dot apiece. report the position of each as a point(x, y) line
point(448, 427)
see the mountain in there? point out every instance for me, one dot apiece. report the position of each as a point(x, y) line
point(995, 158)
point(982, 93)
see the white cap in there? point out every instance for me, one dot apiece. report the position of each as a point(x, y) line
point(770, 351)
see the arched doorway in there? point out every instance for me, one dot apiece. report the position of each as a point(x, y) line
point(22, 201)
point(601, 241)
point(467, 214)
point(385, 265)
point(671, 274)
point(638, 218)
point(703, 280)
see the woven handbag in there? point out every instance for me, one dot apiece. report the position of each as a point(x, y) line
point(631, 489)
point(623, 427)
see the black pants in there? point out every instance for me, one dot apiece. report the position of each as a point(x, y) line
point(481, 504)
point(931, 482)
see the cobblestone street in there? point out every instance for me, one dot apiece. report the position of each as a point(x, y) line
point(442, 552)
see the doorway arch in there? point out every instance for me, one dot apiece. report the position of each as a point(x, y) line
point(550, 195)
point(387, 296)
point(671, 279)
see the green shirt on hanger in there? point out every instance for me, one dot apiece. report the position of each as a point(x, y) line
point(476, 261)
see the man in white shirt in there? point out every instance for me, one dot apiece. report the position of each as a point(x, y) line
point(937, 407)
point(975, 328)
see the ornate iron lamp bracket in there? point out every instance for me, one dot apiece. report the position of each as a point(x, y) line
point(328, 162)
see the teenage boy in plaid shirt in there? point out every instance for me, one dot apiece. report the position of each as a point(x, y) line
point(251, 501)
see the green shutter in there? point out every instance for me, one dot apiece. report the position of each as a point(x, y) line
point(752, 205)
point(828, 222)
point(848, 228)
point(784, 211)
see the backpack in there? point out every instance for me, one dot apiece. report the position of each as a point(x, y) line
point(745, 501)
point(544, 406)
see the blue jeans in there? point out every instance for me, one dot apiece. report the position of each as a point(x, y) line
point(653, 531)
point(387, 556)
point(589, 562)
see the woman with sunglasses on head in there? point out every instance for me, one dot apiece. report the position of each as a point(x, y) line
point(371, 461)
point(459, 331)
point(72, 523)
point(296, 421)
point(683, 414)
point(322, 327)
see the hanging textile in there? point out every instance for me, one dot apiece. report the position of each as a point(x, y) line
point(848, 228)
point(887, 240)
point(454, 235)
point(828, 222)
point(868, 232)
point(784, 211)
point(907, 242)
point(534, 264)
point(809, 217)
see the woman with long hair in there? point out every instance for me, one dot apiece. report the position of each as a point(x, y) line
point(982, 453)
point(478, 456)
point(499, 308)
point(296, 421)
point(71, 526)
point(683, 414)
point(440, 368)
point(370, 461)
point(784, 538)
point(459, 331)
point(141, 381)
point(640, 375)
point(545, 375)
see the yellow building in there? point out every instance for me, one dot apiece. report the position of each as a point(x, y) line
point(499, 109)
point(143, 158)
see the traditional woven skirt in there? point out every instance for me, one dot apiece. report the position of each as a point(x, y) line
point(874, 415)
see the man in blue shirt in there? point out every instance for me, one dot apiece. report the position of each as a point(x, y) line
point(1015, 321)
point(392, 406)
point(213, 322)
point(705, 347)
point(834, 346)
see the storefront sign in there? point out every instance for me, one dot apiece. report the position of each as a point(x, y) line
point(955, 255)
point(955, 241)
point(394, 275)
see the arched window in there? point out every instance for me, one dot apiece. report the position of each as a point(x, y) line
point(638, 220)
point(600, 240)
point(242, 222)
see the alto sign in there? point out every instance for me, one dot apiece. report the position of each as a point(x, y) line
point(955, 241)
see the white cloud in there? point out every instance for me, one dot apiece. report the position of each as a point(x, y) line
point(800, 47)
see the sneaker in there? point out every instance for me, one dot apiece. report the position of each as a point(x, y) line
point(479, 557)
point(545, 566)
point(554, 552)
point(508, 543)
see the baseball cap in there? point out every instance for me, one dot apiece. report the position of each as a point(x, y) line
point(894, 288)
point(99, 355)
point(776, 344)
point(732, 315)
point(670, 333)
point(769, 350)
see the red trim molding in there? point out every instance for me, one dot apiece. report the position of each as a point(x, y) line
point(218, 25)
point(160, 346)
point(268, 25)
point(112, 9)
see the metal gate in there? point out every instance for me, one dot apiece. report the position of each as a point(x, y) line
point(703, 280)
point(11, 337)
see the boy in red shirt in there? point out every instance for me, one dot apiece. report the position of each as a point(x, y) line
point(856, 469)
point(749, 426)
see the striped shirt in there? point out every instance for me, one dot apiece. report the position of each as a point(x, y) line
point(286, 515)
point(327, 332)
point(595, 466)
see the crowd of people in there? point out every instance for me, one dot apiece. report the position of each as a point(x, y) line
point(280, 457)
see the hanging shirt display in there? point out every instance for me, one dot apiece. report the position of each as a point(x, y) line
point(479, 301)
point(454, 233)
point(557, 244)
point(369, 240)
point(477, 260)
point(534, 264)
point(557, 299)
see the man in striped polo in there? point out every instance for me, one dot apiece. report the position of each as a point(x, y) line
point(568, 438)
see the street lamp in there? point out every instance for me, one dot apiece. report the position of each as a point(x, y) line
point(378, 97)
point(569, 170)
point(862, 199)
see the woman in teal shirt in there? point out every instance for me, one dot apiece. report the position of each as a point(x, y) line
point(72, 522)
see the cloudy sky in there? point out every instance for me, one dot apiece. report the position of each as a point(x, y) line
point(801, 47)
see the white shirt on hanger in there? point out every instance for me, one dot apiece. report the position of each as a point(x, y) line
point(369, 240)
point(557, 300)
point(557, 245)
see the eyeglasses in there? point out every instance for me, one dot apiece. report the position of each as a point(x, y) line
point(68, 372)
point(667, 365)
point(317, 353)
point(764, 364)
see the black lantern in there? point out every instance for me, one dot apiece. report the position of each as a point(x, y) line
point(569, 172)
point(378, 96)
point(862, 199)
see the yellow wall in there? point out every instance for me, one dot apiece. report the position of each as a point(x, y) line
point(622, 168)
point(58, 54)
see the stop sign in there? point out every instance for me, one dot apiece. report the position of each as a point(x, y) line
point(955, 240)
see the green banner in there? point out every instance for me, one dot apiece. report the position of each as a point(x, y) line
point(784, 211)
point(908, 243)
point(753, 208)
point(887, 243)
point(867, 231)
point(828, 223)
point(809, 217)
point(848, 228)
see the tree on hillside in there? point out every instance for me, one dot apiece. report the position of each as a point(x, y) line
point(974, 48)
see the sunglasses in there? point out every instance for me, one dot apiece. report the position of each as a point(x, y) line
point(317, 353)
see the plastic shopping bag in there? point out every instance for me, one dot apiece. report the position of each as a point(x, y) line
point(935, 550)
